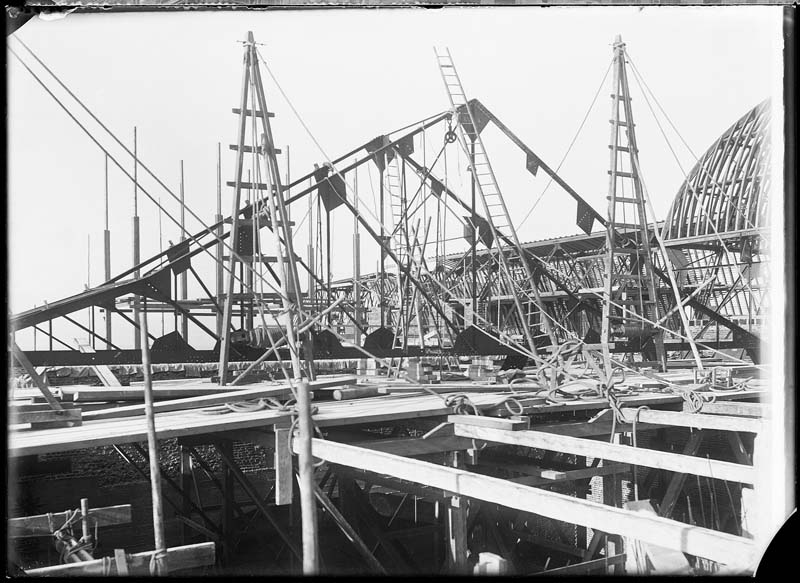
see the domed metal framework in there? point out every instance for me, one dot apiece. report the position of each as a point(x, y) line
point(726, 191)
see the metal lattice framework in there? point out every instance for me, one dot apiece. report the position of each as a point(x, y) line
point(726, 191)
point(714, 232)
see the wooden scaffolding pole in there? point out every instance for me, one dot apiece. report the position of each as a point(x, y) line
point(291, 301)
point(160, 553)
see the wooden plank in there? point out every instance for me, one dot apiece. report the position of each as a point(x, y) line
point(178, 558)
point(394, 485)
point(16, 408)
point(258, 113)
point(540, 541)
point(121, 562)
point(90, 395)
point(283, 391)
point(39, 381)
point(634, 401)
point(516, 465)
point(735, 408)
point(695, 420)
point(457, 535)
point(284, 475)
point(411, 446)
point(702, 542)
point(132, 430)
point(40, 525)
point(583, 568)
point(622, 453)
point(572, 475)
point(600, 428)
point(664, 561)
point(494, 422)
point(50, 418)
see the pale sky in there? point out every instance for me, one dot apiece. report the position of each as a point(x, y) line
point(353, 75)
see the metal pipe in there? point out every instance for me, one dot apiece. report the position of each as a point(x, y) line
point(474, 249)
point(220, 245)
point(310, 248)
point(182, 280)
point(107, 257)
point(356, 264)
point(136, 250)
point(383, 255)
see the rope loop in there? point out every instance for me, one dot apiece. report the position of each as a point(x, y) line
point(461, 404)
point(636, 420)
point(520, 409)
point(296, 421)
point(157, 560)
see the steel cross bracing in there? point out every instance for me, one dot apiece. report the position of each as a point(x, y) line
point(494, 206)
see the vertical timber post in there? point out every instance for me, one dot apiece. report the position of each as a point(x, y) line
point(580, 492)
point(457, 551)
point(159, 558)
point(291, 299)
point(186, 478)
point(228, 498)
point(612, 496)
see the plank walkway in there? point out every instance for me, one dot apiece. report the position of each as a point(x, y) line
point(384, 408)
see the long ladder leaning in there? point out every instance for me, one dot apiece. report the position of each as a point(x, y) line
point(494, 206)
point(629, 299)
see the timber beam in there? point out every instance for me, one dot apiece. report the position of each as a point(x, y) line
point(736, 409)
point(178, 558)
point(43, 524)
point(608, 451)
point(695, 420)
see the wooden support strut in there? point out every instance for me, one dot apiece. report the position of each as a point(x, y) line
point(31, 371)
point(348, 531)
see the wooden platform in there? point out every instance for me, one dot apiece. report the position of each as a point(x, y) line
point(404, 405)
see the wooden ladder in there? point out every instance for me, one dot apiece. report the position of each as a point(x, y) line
point(629, 280)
